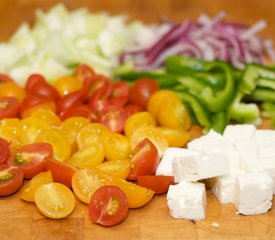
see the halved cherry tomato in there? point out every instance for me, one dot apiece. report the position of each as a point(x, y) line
point(113, 117)
point(11, 179)
point(5, 78)
point(11, 89)
point(78, 111)
point(67, 85)
point(71, 100)
point(117, 169)
point(137, 196)
point(31, 158)
point(61, 172)
point(33, 102)
point(153, 134)
point(120, 93)
point(175, 137)
point(159, 184)
point(86, 181)
point(9, 107)
point(84, 73)
point(47, 116)
point(98, 86)
point(9, 122)
point(145, 159)
point(116, 147)
point(36, 84)
point(96, 105)
point(54, 200)
point(4, 150)
point(91, 133)
point(131, 109)
point(89, 156)
point(142, 90)
point(61, 145)
point(108, 206)
point(138, 120)
point(27, 192)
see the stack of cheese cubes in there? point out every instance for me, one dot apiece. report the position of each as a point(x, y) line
point(240, 164)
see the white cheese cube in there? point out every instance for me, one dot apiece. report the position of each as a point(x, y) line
point(254, 192)
point(165, 165)
point(187, 200)
point(194, 168)
point(214, 143)
point(239, 131)
point(224, 187)
point(248, 154)
point(266, 142)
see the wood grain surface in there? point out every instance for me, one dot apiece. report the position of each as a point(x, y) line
point(20, 220)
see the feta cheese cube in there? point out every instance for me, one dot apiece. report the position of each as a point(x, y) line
point(165, 165)
point(194, 168)
point(214, 143)
point(254, 192)
point(187, 200)
point(224, 187)
point(239, 131)
point(266, 142)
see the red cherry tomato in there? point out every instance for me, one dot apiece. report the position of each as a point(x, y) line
point(96, 105)
point(5, 78)
point(79, 111)
point(31, 158)
point(142, 90)
point(71, 100)
point(9, 107)
point(99, 86)
point(108, 206)
point(85, 73)
point(159, 184)
point(113, 117)
point(36, 84)
point(119, 101)
point(145, 159)
point(61, 171)
point(4, 150)
point(132, 108)
point(11, 179)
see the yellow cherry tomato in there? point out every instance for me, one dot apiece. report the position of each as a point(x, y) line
point(175, 137)
point(137, 120)
point(93, 132)
point(9, 122)
point(116, 146)
point(86, 181)
point(54, 200)
point(117, 169)
point(47, 116)
point(153, 135)
point(12, 89)
point(28, 191)
point(137, 196)
point(60, 144)
point(67, 84)
point(87, 157)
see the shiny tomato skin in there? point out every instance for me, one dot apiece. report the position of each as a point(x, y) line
point(108, 206)
point(145, 159)
point(32, 80)
point(132, 108)
point(78, 111)
point(31, 158)
point(5, 78)
point(61, 171)
point(11, 181)
point(45, 89)
point(84, 72)
point(11, 89)
point(4, 150)
point(113, 117)
point(71, 100)
point(9, 107)
point(159, 184)
point(67, 85)
point(142, 90)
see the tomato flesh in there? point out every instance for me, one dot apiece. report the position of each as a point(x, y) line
point(4, 150)
point(9, 107)
point(108, 206)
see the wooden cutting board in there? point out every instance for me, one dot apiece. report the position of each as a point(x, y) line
point(21, 220)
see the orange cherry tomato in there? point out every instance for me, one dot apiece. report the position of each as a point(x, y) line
point(108, 206)
point(54, 200)
point(68, 84)
point(11, 89)
point(175, 137)
point(28, 191)
point(86, 181)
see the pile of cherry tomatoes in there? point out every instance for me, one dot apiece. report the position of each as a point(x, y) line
point(87, 136)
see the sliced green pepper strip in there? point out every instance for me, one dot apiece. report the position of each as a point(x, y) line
point(219, 101)
point(262, 95)
point(243, 112)
point(251, 74)
point(200, 112)
point(266, 83)
point(268, 109)
point(183, 64)
point(219, 121)
point(192, 84)
point(215, 80)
